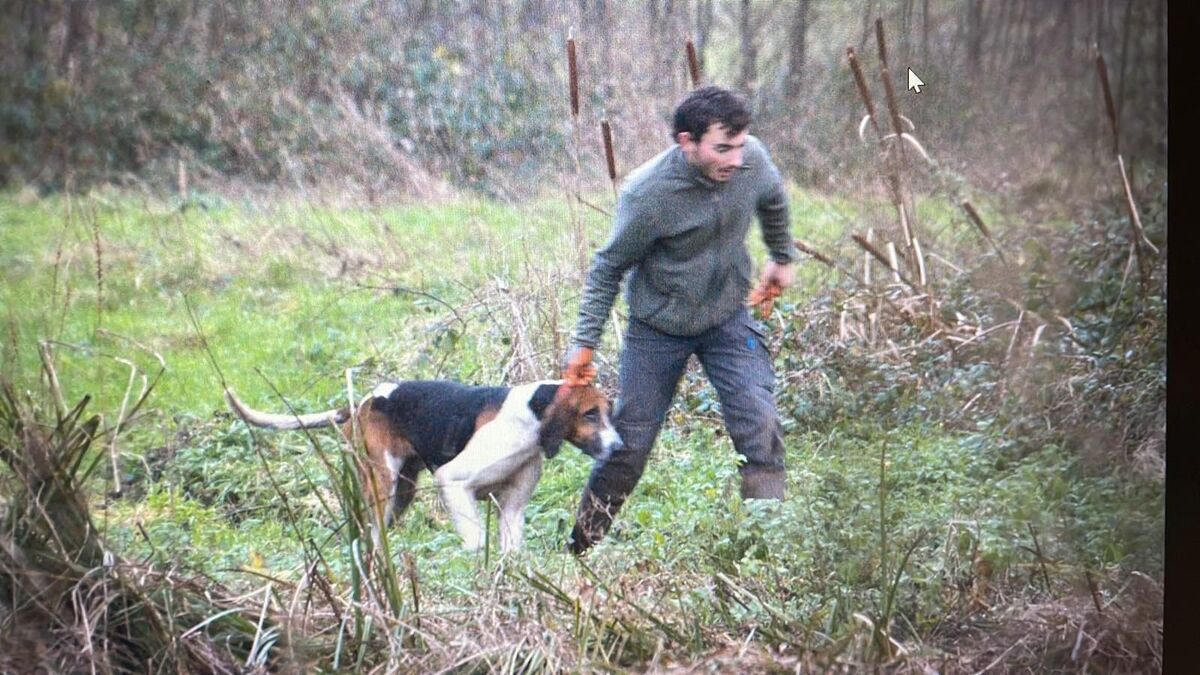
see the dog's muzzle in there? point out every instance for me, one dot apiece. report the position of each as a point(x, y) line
point(610, 444)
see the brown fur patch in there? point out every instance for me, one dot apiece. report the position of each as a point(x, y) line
point(486, 415)
point(378, 439)
point(567, 414)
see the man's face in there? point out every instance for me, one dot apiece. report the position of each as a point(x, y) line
point(717, 154)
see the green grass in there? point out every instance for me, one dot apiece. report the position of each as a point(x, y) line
point(277, 294)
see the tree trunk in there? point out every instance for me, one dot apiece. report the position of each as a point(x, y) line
point(866, 25)
point(1160, 49)
point(797, 44)
point(1067, 17)
point(975, 38)
point(704, 22)
point(925, 32)
point(1127, 24)
point(75, 62)
point(746, 79)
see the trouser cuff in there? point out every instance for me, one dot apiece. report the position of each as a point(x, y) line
point(763, 483)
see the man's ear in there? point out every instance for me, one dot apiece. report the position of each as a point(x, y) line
point(554, 429)
point(683, 138)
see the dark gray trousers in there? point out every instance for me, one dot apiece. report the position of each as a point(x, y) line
point(737, 362)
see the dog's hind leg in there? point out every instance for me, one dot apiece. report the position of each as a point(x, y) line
point(385, 455)
point(406, 488)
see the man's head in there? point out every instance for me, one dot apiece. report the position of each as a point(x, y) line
point(710, 127)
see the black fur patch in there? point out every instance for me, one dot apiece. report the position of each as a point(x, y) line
point(542, 398)
point(437, 416)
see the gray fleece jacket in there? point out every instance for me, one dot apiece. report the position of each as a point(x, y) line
point(682, 238)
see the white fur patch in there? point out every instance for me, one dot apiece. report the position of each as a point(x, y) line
point(393, 464)
point(384, 389)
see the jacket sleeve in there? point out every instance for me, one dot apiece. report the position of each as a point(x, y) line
point(773, 215)
point(632, 239)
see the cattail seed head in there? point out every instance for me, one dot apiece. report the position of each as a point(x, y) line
point(606, 132)
point(882, 44)
point(1102, 70)
point(861, 81)
point(573, 73)
point(693, 64)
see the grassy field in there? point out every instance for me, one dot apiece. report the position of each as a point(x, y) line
point(925, 523)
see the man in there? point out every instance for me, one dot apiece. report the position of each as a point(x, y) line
point(681, 226)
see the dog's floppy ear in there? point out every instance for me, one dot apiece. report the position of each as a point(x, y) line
point(555, 415)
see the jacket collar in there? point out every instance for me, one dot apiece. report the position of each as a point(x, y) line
point(686, 171)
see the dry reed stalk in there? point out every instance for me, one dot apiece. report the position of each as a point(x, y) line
point(971, 402)
point(1134, 218)
point(112, 448)
point(1012, 342)
point(1037, 335)
point(895, 263)
point(598, 209)
point(945, 262)
point(1102, 71)
point(182, 180)
point(833, 264)
point(976, 220)
point(1094, 589)
point(885, 69)
point(862, 242)
point(920, 255)
point(573, 199)
point(58, 251)
point(807, 248)
point(47, 356)
point(867, 257)
point(693, 64)
point(898, 162)
point(1135, 222)
point(1037, 549)
point(898, 158)
point(99, 249)
point(410, 567)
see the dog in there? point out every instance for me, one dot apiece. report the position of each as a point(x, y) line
point(478, 442)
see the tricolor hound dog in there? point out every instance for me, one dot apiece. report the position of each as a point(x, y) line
point(478, 442)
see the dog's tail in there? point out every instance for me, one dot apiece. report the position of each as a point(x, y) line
point(282, 422)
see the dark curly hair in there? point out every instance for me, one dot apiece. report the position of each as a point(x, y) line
point(707, 105)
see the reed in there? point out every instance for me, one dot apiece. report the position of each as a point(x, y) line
point(977, 221)
point(1140, 241)
point(609, 158)
point(693, 63)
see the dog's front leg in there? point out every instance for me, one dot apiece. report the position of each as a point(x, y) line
point(459, 499)
point(513, 501)
point(512, 530)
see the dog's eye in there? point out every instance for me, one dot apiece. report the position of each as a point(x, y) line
point(592, 415)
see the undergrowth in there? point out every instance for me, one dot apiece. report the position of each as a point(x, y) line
point(937, 486)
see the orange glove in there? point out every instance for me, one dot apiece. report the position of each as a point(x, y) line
point(579, 371)
point(763, 297)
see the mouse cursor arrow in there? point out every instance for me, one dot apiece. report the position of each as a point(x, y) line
point(914, 82)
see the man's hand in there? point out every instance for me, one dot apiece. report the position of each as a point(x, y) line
point(775, 278)
point(782, 275)
point(579, 371)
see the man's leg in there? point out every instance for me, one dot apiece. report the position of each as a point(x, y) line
point(651, 365)
point(738, 364)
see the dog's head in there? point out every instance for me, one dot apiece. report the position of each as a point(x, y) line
point(579, 415)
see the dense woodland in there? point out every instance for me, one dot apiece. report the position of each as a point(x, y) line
point(417, 96)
